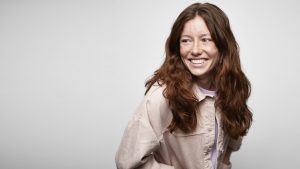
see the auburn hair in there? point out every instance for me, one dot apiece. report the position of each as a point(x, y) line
point(233, 87)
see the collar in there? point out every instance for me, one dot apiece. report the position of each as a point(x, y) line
point(201, 93)
point(210, 93)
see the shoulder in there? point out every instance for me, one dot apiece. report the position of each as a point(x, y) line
point(156, 92)
point(158, 110)
point(156, 101)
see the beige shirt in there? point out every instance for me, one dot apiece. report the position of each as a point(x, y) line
point(148, 144)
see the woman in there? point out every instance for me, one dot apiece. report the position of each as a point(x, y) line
point(194, 113)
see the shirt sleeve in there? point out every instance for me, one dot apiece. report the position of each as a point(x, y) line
point(138, 144)
point(224, 166)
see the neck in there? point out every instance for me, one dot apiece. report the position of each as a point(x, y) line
point(205, 83)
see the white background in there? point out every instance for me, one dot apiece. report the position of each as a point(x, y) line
point(73, 72)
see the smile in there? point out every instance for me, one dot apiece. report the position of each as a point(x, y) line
point(197, 61)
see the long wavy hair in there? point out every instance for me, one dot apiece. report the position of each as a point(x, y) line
point(233, 87)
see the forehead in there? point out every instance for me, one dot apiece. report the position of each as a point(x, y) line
point(195, 26)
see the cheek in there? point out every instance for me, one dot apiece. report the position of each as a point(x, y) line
point(183, 51)
point(213, 52)
point(215, 59)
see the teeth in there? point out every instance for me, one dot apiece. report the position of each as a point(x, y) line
point(197, 61)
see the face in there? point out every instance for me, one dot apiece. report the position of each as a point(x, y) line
point(197, 49)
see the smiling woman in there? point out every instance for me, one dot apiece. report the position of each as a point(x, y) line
point(194, 113)
point(198, 52)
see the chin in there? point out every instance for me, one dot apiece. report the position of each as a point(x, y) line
point(198, 73)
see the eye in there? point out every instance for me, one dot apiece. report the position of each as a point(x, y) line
point(185, 41)
point(206, 39)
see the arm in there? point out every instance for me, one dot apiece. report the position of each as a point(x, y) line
point(227, 155)
point(233, 145)
point(138, 144)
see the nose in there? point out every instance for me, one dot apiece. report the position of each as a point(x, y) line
point(197, 49)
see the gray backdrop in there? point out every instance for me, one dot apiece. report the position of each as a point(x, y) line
point(73, 72)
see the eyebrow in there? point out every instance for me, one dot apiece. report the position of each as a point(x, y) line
point(202, 35)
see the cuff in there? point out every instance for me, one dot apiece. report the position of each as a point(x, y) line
point(224, 166)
